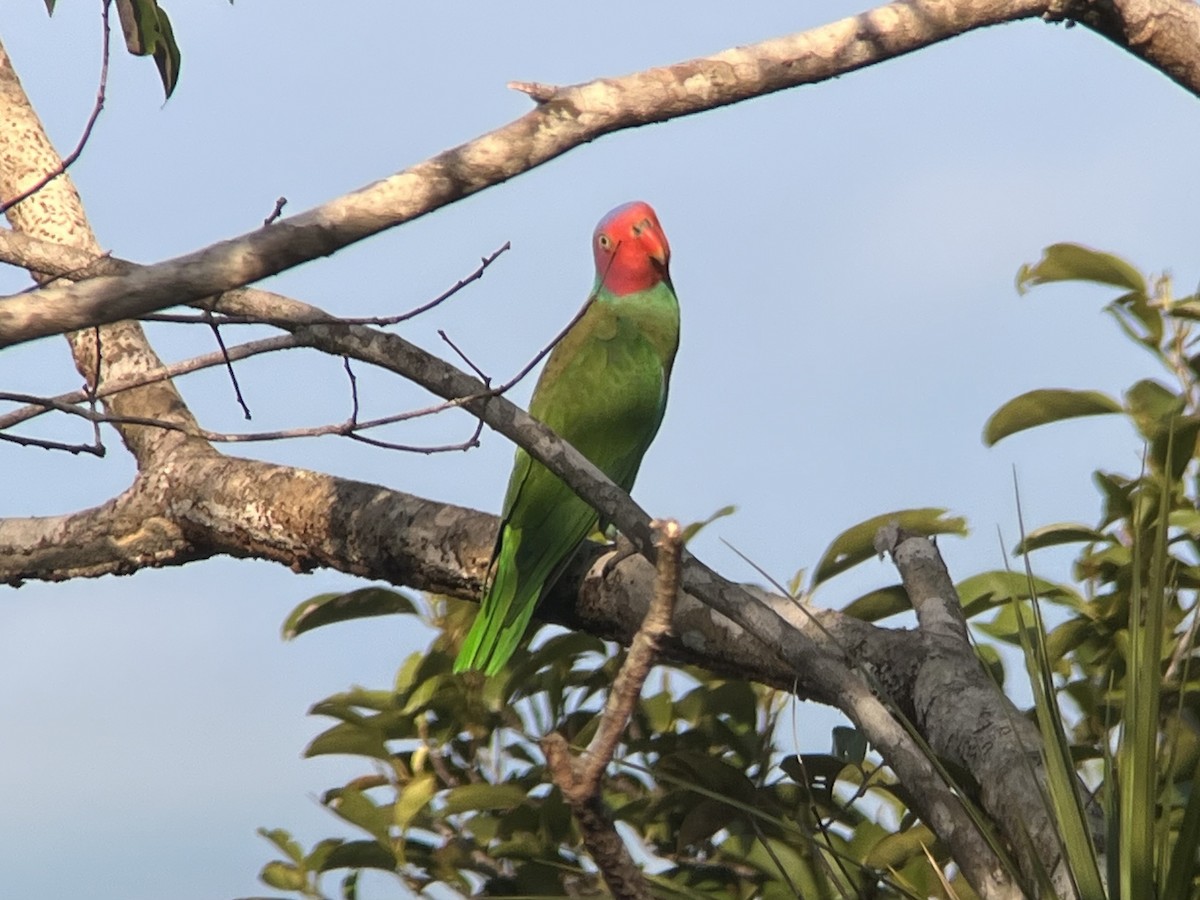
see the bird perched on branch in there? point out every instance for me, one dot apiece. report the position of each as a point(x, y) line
point(604, 390)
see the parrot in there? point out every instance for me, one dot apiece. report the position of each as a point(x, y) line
point(604, 391)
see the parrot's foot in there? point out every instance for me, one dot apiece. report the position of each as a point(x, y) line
point(622, 550)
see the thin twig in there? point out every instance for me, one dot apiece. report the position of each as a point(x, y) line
point(41, 405)
point(237, 388)
point(466, 359)
point(96, 449)
point(70, 158)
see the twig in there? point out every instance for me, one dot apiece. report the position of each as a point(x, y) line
point(508, 385)
point(40, 405)
point(349, 428)
point(466, 359)
point(440, 298)
point(486, 261)
point(96, 449)
point(579, 780)
point(237, 388)
point(70, 158)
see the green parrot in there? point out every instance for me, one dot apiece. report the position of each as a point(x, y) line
point(604, 390)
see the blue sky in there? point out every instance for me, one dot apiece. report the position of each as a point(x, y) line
point(844, 255)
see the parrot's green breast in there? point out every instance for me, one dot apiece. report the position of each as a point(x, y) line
point(604, 391)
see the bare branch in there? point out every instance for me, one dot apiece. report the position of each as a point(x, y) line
point(575, 115)
point(950, 685)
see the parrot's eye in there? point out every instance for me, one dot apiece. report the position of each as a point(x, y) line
point(604, 241)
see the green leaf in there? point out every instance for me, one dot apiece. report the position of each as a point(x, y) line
point(325, 609)
point(347, 705)
point(1117, 490)
point(316, 859)
point(360, 855)
point(148, 32)
point(1152, 407)
point(988, 590)
point(702, 821)
point(1182, 871)
point(880, 604)
point(690, 531)
point(1058, 534)
point(351, 738)
point(284, 842)
point(1074, 262)
point(358, 809)
point(849, 744)
point(414, 797)
point(1042, 406)
point(659, 711)
point(282, 876)
point(1133, 309)
point(857, 543)
point(474, 797)
point(896, 849)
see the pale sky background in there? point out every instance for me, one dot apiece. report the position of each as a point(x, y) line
point(844, 254)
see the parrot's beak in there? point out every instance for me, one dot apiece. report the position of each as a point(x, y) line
point(657, 249)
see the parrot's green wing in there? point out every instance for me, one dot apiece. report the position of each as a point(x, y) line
point(603, 390)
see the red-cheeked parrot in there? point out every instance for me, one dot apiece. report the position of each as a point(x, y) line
point(604, 390)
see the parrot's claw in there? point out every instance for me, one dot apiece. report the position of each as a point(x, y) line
point(622, 550)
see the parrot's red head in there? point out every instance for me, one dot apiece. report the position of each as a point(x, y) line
point(632, 253)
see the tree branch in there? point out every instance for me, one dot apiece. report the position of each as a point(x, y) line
point(1165, 33)
point(968, 719)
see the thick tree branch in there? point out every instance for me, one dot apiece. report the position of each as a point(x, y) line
point(1165, 33)
point(996, 739)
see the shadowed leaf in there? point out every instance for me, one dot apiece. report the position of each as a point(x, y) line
point(483, 796)
point(325, 609)
point(857, 543)
point(148, 32)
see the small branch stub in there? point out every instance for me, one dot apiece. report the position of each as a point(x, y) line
point(538, 92)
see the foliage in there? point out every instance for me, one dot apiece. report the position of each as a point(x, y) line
point(1123, 655)
point(458, 794)
point(148, 32)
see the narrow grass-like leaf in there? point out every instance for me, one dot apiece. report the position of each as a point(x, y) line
point(1137, 750)
point(1061, 780)
point(1182, 869)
